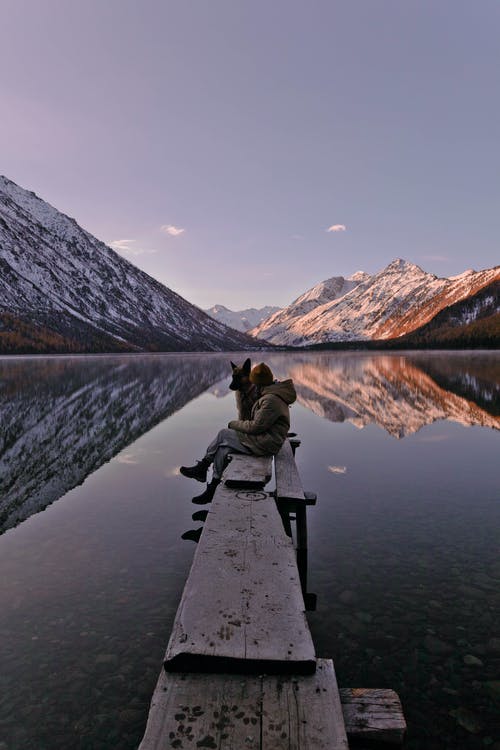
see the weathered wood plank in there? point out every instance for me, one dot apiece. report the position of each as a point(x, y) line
point(193, 711)
point(232, 712)
point(303, 713)
point(248, 471)
point(288, 482)
point(373, 714)
point(242, 608)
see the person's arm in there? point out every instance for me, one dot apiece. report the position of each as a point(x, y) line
point(265, 417)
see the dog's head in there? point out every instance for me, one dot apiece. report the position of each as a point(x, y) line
point(240, 375)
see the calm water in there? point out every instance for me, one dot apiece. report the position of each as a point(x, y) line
point(403, 452)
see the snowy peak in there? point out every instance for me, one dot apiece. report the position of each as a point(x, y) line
point(360, 277)
point(27, 206)
point(400, 272)
point(325, 291)
point(241, 320)
point(400, 265)
point(395, 301)
point(276, 327)
point(61, 284)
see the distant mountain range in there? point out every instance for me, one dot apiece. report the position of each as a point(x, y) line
point(242, 320)
point(64, 290)
point(394, 302)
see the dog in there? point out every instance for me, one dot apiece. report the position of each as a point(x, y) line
point(246, 393)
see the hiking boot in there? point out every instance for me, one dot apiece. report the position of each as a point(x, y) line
point(207, 496)
point(200, 515)
point(193, 535)
point(198, 471)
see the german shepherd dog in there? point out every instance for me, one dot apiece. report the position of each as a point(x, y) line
point(246, 393)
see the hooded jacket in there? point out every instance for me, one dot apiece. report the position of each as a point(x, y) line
point(267, 429)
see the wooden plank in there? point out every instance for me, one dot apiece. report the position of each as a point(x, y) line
point(193, 711)
point(373, 714)
point(242, 607)
point(232, 712)
point(248, 471)
point(303, 713)
point(288, 482)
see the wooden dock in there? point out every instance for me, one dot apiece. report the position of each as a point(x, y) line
point(240, 666)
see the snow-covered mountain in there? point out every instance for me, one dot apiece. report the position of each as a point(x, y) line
point(241, 320)
point(393, 302)
point(276, 327)
point(58, 279)
point(473, 321)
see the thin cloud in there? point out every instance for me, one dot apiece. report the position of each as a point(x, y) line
point(121, 244)
point(172, 230)
point(337, 228)
point(127, 247)
point(337, 469)
point(126, 458)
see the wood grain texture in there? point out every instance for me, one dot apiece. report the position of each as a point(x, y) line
point(248, 471)
point(193, 711)
point(373, 714)
point(233, 712)
point(303, 712)
point(242, 608)
point(288, 482)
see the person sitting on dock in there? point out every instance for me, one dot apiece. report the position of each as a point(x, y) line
point(261, 435)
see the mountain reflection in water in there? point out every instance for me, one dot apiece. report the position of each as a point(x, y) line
point(398, 393)
point(62, 418)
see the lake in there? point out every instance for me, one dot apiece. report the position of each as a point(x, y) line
point(403, 453)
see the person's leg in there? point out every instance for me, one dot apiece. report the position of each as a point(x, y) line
point(226, 442)
point(200, 469)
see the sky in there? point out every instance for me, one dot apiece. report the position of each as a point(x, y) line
point(241, 151)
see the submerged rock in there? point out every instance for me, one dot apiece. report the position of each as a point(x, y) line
point(436, 647)
point(492, 687)
point(472, 661)
point(494, 645)
point(467, 720)
point(364, 617)
point(348, 597)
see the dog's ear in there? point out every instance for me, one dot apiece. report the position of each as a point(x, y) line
point(233, 366)
point(247, 366)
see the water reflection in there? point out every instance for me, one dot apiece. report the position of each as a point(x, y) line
point(63, 418)
point(403, 543)
point(401, 394)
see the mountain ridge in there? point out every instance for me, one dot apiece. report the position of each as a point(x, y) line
point(474, 320)
point(57, 277)
point(395, 301)
point(64, 290)
point(241, 320)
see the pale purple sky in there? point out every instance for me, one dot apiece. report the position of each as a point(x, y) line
point(254, 126)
